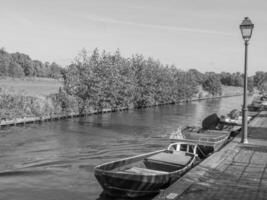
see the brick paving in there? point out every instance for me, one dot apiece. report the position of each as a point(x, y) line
point(238, 171)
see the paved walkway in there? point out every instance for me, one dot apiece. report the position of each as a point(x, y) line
point(237, 171)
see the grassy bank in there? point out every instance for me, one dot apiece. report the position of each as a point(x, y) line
point(226, 91)
point(231, 91)
point(31, 86)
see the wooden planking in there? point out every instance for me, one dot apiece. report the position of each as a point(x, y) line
point(260, 121)
point(253, 113)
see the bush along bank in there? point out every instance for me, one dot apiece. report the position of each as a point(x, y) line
point(28, 109)
point(19, 108)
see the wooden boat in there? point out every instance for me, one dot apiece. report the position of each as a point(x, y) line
point(209, 138)
point(214, 123)
point(148, 173)
point(259, 103)
point(233, 118)
point(255, 106)
point(236, 122)
point(207, 141)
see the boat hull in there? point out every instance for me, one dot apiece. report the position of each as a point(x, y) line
point(123, 184)
point(132, 187)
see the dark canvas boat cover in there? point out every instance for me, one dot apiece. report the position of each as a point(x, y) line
point(211, 121)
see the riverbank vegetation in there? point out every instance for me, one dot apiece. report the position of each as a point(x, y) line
point(14, 105)
point(102, 80)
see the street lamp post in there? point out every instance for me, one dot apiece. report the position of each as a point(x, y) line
point(246, 28)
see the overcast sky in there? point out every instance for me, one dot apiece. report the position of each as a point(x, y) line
point(200, 34)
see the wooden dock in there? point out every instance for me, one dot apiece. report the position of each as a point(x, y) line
point(260, 121)
point(257, 128)
point(238, 171)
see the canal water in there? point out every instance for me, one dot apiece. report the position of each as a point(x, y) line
point(55, 160)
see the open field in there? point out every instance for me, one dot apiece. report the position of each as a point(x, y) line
point(226, 91)
point(231, 90)
point(31, 86)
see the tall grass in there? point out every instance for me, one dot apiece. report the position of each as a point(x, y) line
point(19, 105)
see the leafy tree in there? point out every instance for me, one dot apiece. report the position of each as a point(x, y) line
point(238, 79)
point(55, 71)
point(15, 70)
point(212, 84)
point(80, 79)
point(5, 60)
point(25, 62)
point(39, 69)
point(259, 79)
point(250, 84)
point(197, 76)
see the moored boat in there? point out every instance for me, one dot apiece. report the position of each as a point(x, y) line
point(148, 173)
point(259, 103)
point(207, 141)
point(209, 138)
point(233, 118)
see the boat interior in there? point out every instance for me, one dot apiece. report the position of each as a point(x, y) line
point(176, 157)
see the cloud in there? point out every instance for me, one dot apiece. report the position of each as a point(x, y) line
point(95, 18)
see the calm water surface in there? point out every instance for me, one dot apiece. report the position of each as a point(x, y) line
point(55, 161)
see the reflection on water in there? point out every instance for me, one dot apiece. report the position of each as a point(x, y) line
point(56, 160)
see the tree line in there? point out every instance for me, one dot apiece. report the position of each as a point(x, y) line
point(109, 80)
point(237, 79)
point(19, 65)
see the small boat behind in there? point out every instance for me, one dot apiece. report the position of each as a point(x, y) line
point(233, 118)
point(259, 103)
point(148, 173)
point(207, 141)
point(209, 138)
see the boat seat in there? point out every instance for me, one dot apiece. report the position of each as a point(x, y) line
point(168, 161)
point(144, 171)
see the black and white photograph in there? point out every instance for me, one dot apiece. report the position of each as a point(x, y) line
point(133, 100)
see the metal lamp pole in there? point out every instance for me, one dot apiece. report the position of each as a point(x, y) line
point(245, 108)
point(246, 28)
